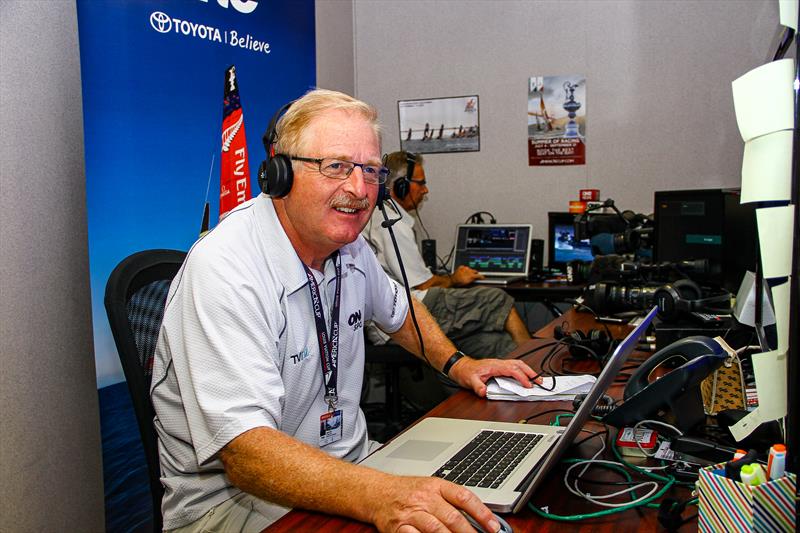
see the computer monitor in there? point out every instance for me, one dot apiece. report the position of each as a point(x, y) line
point(561, 244)
point(493, 249)
point(707, 224)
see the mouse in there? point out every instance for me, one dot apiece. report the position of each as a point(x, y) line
point(504, 527)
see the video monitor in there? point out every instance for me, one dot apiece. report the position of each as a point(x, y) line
point(493, 249)
point(561, 244)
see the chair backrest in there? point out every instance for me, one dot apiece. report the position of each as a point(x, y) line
point(135, 296)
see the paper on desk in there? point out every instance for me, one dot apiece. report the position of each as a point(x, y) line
point(566, 387)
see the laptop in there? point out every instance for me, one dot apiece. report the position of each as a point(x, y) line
point(440, 446)
point(500, 252)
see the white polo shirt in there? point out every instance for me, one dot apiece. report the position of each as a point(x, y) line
point(417, 271)
point(238, 349)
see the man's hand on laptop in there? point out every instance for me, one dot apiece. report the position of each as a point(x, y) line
point(464, 275)
point(428, 504)
point(474, 373)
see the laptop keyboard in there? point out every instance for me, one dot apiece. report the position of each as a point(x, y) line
point(488, 459)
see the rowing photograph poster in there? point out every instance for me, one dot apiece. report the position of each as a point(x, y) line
point(436, 125)
point(557, 120)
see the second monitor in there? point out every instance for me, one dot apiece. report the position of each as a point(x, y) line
point(493, 249)
point(562, 246)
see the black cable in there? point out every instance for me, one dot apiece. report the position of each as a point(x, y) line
point(476, 218)
point(387, 223)
point(537, 415)
point(595, 315)
point(592, 435)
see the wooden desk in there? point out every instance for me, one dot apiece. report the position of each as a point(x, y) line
point(553, 493)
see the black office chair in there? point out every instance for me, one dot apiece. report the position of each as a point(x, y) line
point(135, 296)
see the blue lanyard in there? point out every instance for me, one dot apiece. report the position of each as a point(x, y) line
point(328, 345)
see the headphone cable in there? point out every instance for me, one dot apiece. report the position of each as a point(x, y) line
point(387, 223)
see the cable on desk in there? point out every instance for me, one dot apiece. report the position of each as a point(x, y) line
point(620, 466)
point(537, 415)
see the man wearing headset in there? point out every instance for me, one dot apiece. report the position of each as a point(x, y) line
point(481, 321)
point(258, 369)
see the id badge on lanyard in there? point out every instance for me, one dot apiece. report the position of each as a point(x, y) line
point(331, 422)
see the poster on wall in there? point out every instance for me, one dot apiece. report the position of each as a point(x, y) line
point(557, 120)
point(436, 125)
point(169, 89)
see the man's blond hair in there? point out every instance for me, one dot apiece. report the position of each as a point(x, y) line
point(292, 128)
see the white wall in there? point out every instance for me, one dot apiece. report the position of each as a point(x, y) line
point(50, 459)
point(660, 111)
point(333, 21)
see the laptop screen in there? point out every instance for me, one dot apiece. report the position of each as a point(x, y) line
point(493, 249)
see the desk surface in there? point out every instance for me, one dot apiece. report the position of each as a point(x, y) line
point(553, 494)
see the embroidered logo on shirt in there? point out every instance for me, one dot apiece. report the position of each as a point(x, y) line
point(296, 358)
point(355, 320)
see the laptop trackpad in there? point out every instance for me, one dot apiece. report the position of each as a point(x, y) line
point(419, 450)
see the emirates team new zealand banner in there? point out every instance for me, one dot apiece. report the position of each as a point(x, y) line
point(163, 134)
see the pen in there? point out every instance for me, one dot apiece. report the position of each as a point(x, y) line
point(776, 463)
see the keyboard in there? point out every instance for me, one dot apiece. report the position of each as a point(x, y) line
point(488, 459)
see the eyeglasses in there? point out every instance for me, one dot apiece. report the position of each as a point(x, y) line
point(339, 169)
point(419, 182)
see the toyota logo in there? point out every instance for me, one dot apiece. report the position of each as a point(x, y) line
point(160, 22)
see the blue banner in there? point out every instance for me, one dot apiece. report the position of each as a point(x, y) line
point(153, 75)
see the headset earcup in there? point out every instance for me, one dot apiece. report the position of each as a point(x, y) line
point(400, 187)
point(688, 289)
point(279, 176)
point(666, 298)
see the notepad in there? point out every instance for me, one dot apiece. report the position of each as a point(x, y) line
point(566, 387)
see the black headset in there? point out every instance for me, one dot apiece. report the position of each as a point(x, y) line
point(583, 345)
point(402, 185)
point(275, 174)
point(686, 296)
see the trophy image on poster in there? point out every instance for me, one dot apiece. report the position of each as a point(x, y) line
point(571, 106)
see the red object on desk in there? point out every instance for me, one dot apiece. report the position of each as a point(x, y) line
point(589, 195)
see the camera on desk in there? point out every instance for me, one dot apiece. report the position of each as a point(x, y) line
point(626, 270)
point(615, 232)
point(678, 300)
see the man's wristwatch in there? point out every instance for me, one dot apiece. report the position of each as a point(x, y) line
point(450, 362)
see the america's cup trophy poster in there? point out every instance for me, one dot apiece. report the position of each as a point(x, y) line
point(557, 120)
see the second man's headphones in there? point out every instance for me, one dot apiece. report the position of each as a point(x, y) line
point(686, 296)
point(585, 345)
point(275, 174)
point(402, 185)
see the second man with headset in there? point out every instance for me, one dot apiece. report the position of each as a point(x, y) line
point(481, 321)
